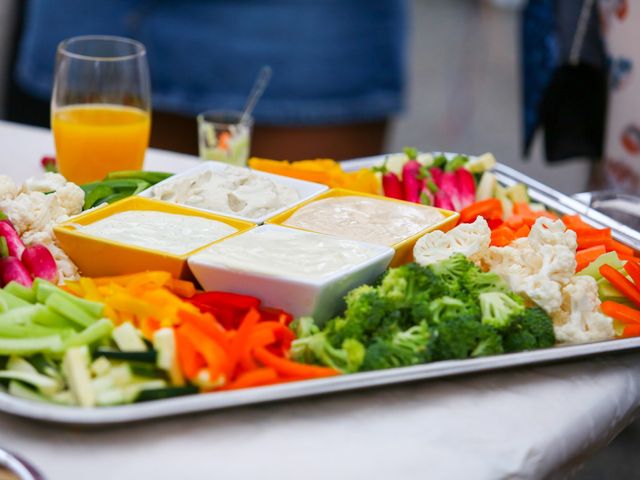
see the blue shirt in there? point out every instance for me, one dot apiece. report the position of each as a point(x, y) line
point(333, 61)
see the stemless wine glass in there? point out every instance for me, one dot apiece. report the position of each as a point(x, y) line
point(100, 107)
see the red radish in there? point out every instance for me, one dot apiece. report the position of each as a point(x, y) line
point(392, 186)
point(411, 182)
point(436, 174)
point(15, 245)
point(12, 269)
point(426, 196)
point(441, 200)
point(40, 263)
point(449, 185)
point(466, 187)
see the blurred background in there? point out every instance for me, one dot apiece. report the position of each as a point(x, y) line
point(458, 98)
point(464, 95)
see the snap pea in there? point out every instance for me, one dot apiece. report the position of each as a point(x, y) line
point(119, 185)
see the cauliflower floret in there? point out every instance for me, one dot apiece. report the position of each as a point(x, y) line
point(470, 239)
point(579, 319)
point(8, 189)
point(538, 266)
point(49, 182)
point(549, 232)
point(70, 198)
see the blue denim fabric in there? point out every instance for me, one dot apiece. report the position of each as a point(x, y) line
point(334, 61)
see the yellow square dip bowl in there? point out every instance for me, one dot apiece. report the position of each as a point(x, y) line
point(403, 247)
point(97, 256)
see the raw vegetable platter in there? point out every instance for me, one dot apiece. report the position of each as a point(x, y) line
point(353, 381)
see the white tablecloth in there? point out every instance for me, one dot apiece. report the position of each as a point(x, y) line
point(523, 423)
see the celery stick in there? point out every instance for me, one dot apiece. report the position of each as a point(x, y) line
point(20, 315)
point(12, 301)
point(3, 306)
point(48, 318)
point(17, 289)
point(45, 289)
point(69, 310)
point(29, 346)
point(10, 330)
point(98, 330)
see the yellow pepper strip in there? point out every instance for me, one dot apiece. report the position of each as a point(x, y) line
point(129, 304)
point(157, 278)
point(73, 287)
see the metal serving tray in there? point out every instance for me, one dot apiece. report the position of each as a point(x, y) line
point(213, 401)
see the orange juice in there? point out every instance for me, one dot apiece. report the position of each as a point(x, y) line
point(95, 139)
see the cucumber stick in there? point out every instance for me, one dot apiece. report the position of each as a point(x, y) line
point(76, 369)
point(44, 384)
point(45, 289)
point(97, 331)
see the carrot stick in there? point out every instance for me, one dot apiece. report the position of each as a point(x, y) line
point(208, 324)
point(490, 208)
point(289, 368)
point(188, 358)
point(633, 269)
point(620, 312)
point(631, 331)
point(613, 245)
point(593, 237)
point(514, 222)
point(620, 282)
point(588, 255)
point(238, 344)
point(571, 221)
point(628, 258)
point(216, 357)
point(254, 378)
point(523, 231)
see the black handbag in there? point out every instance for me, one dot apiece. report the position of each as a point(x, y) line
point(574, 106)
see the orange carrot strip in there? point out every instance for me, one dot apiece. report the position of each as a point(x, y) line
point(523, 231)
point(631, 330)
point(188, 358)
point(208, 324)
point(572, 221)
point(593, 238)
point(514, 222)
point(615, 246)
point(289, 368)
point(588, 255)
point(490, 208)
point(628, 258)
point(633, 269)
point(184, 288)
point(620, 312)
point(214, 354)
point(238, 344)
point(620, 282)
point(254, 378)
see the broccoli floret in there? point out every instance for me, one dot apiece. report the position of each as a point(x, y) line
point(403, 284)
point(462, 337)
point(451, 271)
point(317, 349)
point(530, 330)
point(476, 282)
point(444, 308)
point(499, 309)
point(404, 348)
point(304, 327)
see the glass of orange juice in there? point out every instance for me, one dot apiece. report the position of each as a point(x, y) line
point(100, 107)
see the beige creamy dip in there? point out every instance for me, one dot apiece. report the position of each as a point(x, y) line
point(234, 190)
point(363, 218)
point(167, 232)
point(282, 251)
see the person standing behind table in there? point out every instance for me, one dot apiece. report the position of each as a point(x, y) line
point(338, 65)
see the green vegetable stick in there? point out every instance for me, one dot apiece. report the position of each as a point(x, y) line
point(13, 301)
point(18, 290)
point(44, 289)
point(29, 346)
point(99, 330)
point(69, 309)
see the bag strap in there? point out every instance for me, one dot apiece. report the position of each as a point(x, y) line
point(581, 31)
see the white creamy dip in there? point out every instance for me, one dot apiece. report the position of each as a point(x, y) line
point(363, 218)
point(233, 190)
point(279, 251)
point(167, 232)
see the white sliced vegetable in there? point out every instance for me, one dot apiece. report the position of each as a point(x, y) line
point(43, 383)
point(482, 163)
point(100, 366)
point(165, 345)
point(19, 364)
point(128, 338)
point(486, 186)
point(76, 368)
